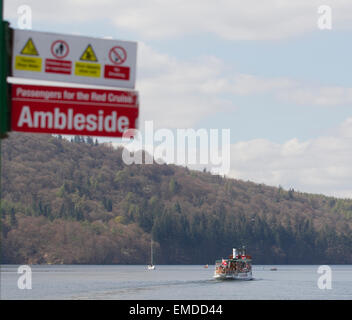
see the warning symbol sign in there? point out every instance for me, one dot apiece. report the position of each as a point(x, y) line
point(73, 59)
point(117, 55)
point(59, 49)
point(89, 55)
point(30, 49)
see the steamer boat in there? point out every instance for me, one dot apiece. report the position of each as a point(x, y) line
point(238, 266)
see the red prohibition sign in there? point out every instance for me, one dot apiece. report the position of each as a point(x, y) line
point(59, 49)
point(117, 55)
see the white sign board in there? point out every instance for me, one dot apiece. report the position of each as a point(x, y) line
point(68, 58)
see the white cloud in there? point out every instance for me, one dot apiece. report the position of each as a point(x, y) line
point(345, 129)
point(177, 94)
point(228, 19)
point(320, 96)
point(321, 165)
point(246, 84)
point(288, 90)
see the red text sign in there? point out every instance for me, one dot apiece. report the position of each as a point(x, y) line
point(58, 66)
point(73, 111)
point(115, 72)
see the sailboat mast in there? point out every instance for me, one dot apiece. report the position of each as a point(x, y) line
point(151, 252)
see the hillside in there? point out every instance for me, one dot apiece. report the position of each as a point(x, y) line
point(77, 202)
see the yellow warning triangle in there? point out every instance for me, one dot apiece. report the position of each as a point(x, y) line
point(30, 49)
point(89, 54)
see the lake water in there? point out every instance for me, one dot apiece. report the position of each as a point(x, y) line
point(169, 282)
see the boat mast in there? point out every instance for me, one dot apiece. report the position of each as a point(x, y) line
point(151, 252)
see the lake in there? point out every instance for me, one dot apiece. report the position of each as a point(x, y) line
point(169, 282)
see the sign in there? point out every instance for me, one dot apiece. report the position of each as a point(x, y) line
point(73, 111)
point(90, 70)
point(114, 72)
point(117, 55)
point(89, 55)
point(59, 49)
point(68, 58)
point(29, 48)
point(58, 66)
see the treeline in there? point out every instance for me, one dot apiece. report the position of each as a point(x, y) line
point(77, 202)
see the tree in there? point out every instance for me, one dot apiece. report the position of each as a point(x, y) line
point(13, 219)
point(84, 205)
point(173, 186)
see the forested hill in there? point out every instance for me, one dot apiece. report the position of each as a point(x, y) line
point(77, 202)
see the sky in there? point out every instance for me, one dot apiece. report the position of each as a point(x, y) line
point(263, 69)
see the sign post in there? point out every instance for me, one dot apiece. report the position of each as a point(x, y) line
point(4, 72)
point(4, 63)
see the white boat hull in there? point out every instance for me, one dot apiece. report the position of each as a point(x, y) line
point(244, 276)
point(234, 276)
point(151, 267)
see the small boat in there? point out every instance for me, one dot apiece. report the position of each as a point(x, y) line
point(238, 266)
point(273, 269)
point(151, 266)
point(206, 266)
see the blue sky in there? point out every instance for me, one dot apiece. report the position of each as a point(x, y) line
point(263, 69)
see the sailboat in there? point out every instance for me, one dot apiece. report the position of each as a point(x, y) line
point(151, 266)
